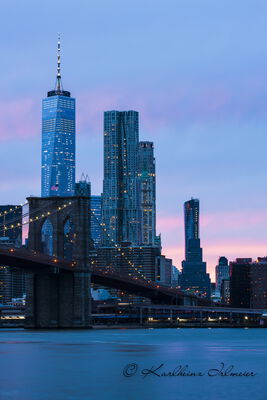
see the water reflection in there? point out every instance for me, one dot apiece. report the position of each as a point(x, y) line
point(88, 365)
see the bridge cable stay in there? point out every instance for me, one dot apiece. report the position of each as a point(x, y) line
point(35, 218)
point(4, 213)
point(20, 217)
point(117, 246)
point(13, 225)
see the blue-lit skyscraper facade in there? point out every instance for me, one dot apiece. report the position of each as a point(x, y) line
point(58, 140)
point(58, 145)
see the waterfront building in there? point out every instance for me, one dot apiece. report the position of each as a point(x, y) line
point(258, 277)
point(194, 278)
point(96, 220)
point(176, 275)
point(121, 200)
point(10, 223)
point(12, 282)
point(221, 272)
point(58, 140)
point(191, 222)
point(240, 288)
point(137, 261)
point(164, 270)
point(225, 291)
point(248, 283)
point(147, 187)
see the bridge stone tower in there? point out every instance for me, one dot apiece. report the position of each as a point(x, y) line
point(60, 299)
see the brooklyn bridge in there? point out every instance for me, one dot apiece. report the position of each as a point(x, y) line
point(58, 285)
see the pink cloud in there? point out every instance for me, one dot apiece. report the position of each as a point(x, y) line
point(160, 109)
point(212, 251)
point(234, 220)
point(228, 233)
point(19, 119)
point(169, 223)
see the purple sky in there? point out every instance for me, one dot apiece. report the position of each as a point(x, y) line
point(196, 70)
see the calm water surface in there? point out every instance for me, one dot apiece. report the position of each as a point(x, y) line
point(89, 365)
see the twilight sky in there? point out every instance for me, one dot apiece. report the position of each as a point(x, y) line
point(196, 70)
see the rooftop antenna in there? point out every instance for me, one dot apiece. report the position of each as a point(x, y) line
point(85, 178)
point(58, 65)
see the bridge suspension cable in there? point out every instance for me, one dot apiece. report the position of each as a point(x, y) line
point(38, 214)
point(34, 217)
point(117, 246)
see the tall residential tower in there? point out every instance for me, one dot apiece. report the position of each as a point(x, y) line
point(147, 187)
point(121, 202)
point(58, 140)
point(191, 221)
point(194, 278)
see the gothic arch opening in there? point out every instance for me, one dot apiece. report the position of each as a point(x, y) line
point(69, 238)
point(47, 238)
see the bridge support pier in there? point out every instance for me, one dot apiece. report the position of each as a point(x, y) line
point(58, 301)
point(60, 298)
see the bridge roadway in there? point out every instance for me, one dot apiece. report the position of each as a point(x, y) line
point(32, 261)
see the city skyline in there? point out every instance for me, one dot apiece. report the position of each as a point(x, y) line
point(206, 121)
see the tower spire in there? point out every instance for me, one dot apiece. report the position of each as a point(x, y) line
point(58, 88)
point(58, 64)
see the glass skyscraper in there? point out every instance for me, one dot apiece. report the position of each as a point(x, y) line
point(194, 278)
point(147, 182)
point(121, 200)
point(96, 220)
point(58, 141)
point(191, 222)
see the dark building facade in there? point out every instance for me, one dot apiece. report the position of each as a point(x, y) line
point(12, 282)
point(240, 283)
point(10, 223)
point(138, 261)
point(147, 191)
point(191, 221)
point(221, 272)
point(96, 220)
point(164, 270)
point(248, 283)
point(83, 187)
point(194, 278)
point(258, 277)
point(225, 291)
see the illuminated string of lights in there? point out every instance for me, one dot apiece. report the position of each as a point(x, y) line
point(24, 215)
point(118, 247)
point(4, 213)
point(34, 218)
point(14, 225)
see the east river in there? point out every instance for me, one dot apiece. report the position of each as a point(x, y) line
point(134, 364)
